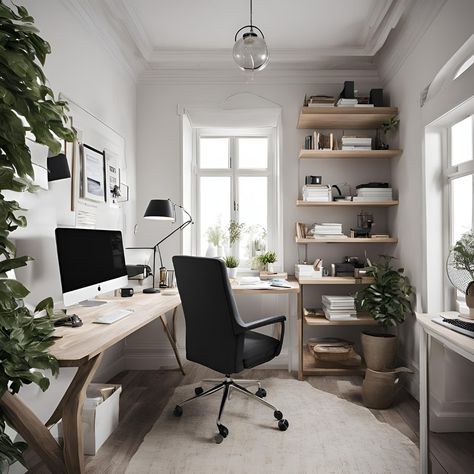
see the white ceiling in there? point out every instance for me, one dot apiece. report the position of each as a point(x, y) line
point(199, 34)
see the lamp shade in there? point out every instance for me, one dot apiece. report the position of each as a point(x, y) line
point(58, 167)
point(160, 209)
point(250, 52)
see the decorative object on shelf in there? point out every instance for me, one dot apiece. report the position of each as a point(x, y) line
point(348, 91)
point(25, 335)
point(365, 222)
point(164, 210)
point(388, 126)
point(232, 264)
point(93, 174)
point(250, 51)
point(331, 349)
point(388, 301)
point(267, 260)
point(376, 97)
point(313, 180)
point(460, 269)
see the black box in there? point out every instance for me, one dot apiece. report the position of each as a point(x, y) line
point(376, 97)
point(126, 292)
point(348, 91)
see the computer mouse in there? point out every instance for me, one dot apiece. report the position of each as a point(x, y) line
point(76, 321)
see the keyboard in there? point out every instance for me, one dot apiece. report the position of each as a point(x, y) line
point(458, 325)
point(113, 316)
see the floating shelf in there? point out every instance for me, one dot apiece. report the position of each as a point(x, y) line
point(343, 203)
point(335, 281)
point(347, 154)
point(362, 320)
point(345, 117)
point(349, 240)
point(311, 367)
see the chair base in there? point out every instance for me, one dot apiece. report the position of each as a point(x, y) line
point(228, 385)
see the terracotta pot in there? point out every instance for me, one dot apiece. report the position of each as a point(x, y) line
point(380, 350)
point(381, 387)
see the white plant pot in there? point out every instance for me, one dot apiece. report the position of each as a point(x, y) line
point(270, 268)
point(220, 251)
point(232, 272)
point(211, 251)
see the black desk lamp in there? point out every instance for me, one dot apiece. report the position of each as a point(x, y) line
point(165, 210)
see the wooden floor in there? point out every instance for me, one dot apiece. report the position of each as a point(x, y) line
point(145, 394)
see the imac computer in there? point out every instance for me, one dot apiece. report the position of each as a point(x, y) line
point(91, 262)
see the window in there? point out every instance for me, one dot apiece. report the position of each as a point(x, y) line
point(459, 173)
point(235, 181)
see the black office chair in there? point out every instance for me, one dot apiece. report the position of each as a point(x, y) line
point(216, 336)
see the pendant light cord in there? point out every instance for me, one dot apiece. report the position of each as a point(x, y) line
point(251, 15)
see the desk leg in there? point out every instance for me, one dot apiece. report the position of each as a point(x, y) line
point(71, 408)
point(299, 329)
point(424, 403)
point(38, 437)
point(171, 337)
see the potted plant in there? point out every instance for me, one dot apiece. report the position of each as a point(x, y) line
point(215, 237)
point(388, 301)
point(231, 263)
point(387, 126)
point(235, 232)
point(267, 260)
point(27, 104)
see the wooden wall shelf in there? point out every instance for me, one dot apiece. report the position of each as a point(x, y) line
point(345, 117)
point(349, 240)
point(342, 203)
point(348, 154)
point(362, 320)
point(311, 367)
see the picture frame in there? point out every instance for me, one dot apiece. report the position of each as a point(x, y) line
point(112, 178)
point(93, 174)
point(124, 193)
point(39, 157)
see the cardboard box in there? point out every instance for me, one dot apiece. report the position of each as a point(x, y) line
point(100, 415)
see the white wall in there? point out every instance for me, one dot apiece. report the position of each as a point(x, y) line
point(451, 27)
point(81, 68)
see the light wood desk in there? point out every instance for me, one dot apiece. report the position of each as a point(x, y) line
point(462, 345)
point(83, 347)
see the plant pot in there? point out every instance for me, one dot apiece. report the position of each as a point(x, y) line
point(232, 272)
point(211, 251)
point(380, 388)
point(380, 350)
point(270, 268)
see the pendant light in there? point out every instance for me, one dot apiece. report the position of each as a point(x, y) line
point(250, 50)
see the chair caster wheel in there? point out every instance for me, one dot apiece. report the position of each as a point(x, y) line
point(278, 415)
point(218, 438)
point(198, 390)
point(261, 393)
point(178, 411)
point(223, 431)
point(283, 425)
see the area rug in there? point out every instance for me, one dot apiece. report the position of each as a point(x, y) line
point(326, 435)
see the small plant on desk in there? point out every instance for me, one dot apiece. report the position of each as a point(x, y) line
point(267, 260)
point(231, 263)
point(24, 339)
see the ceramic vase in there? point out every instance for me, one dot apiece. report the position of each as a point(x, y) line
point(211, 251)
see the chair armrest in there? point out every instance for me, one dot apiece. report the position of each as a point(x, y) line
point(265, 322)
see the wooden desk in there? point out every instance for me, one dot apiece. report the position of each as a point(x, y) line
point(83, 348)
point(462, 345)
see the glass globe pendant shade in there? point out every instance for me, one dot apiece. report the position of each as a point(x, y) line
point(250, 52)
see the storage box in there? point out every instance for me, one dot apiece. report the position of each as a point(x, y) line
point(100, 415)
point(307, 271)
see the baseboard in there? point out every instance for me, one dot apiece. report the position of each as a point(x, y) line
point(447, 417)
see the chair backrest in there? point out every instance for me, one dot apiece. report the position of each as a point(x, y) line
point(213, 326)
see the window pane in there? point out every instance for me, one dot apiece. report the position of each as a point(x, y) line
point(214, 206)
point(461, 141)
point(253, 213)
point(461, 189)
point(214, 153)
point(253, 153)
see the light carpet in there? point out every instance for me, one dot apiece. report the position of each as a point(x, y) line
point(326, 435)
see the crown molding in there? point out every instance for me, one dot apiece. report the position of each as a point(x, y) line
point(154, 75)
point(414, 23)
point(96, 20)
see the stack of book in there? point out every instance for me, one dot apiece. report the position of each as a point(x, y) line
point(317, 192)
point(373, 194)
point(339, 308)
point(347, 102)
point(321, 101)
point(356, 143)
point(326, 231)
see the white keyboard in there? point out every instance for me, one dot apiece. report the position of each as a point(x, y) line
point(113, 316)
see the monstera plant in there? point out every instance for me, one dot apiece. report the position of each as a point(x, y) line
point(27, 105)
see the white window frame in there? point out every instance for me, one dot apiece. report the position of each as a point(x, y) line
point(453, 298)
point(271, 172)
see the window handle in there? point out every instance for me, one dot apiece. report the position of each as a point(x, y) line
point(236, 206)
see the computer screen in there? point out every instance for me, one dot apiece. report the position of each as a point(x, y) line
point(91, 262)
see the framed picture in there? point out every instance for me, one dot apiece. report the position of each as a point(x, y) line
point(93, 176)
point(112, 178)
point(124, 193)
